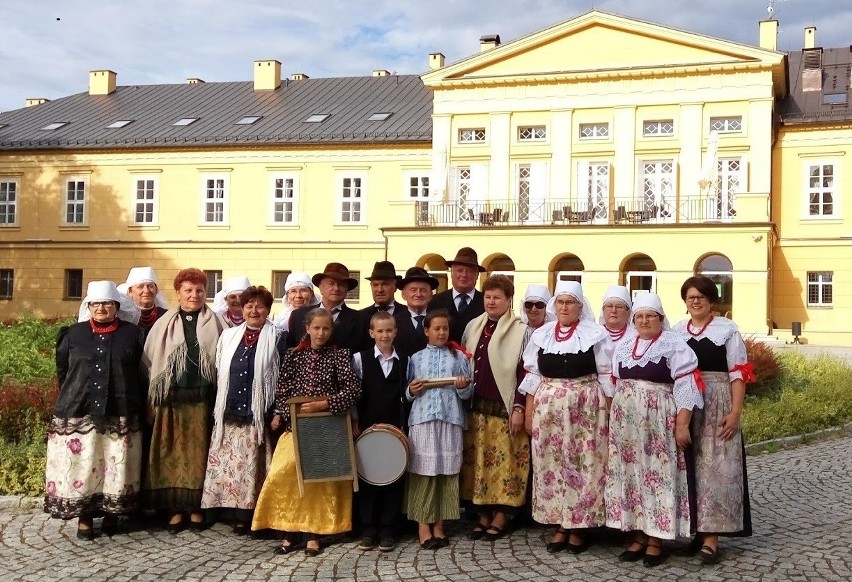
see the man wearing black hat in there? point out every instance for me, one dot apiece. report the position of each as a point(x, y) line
point(462, 301)
point(383, 283)
point(334, 283)
point(417, 288)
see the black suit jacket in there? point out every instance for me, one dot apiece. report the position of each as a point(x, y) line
point(408, 341)
point(346, 332)
point(444, 300)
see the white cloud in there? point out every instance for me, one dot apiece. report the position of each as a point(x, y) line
point(159, 41)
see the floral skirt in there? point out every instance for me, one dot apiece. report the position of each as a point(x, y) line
point(569, 452)
point(178, 457)
point(92, 469)
point(326, 508)
point(495, 465)
point(646, 484)
point(236, 468)
point(720, 480)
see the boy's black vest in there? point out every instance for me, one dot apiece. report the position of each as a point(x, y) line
point(381, 398)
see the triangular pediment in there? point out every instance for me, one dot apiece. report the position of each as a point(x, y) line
point(600, 43)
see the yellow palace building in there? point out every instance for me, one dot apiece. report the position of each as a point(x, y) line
point(603, 149)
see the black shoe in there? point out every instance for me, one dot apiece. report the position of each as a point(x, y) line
point(579, 548)
point(176, 528)
point(387, 545)
point(477, 532)
point(313, 552)
point(490, 536)
point(632, 555)
point(556, 547)
point(282, 549)
point(367, 544)
point(430, 544)
point(652, 560)
point(109, 526)
point(85, 534)
point(198, 525)
point(708, 555)
point(442, 542)
point(240, 529)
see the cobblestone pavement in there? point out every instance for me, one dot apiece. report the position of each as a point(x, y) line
point(801, 501)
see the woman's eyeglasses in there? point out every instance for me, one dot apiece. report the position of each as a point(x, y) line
point(536, 304)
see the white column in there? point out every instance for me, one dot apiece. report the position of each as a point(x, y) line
point(759, 159)
point(561, 172)
point(501, 175)
point(690, 129)
point(624, 143)
point(441, 139)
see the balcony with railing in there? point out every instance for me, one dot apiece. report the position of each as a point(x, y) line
point(563, 212)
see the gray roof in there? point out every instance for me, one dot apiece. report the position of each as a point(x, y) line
point(155, 108)
point(809, 106)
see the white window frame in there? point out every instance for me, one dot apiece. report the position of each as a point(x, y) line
point(629, 275)
point(9, 206)
point(135, 201)
point(600, 131)
point(724, 202)
point(279, 203)
point(834, 189)
point(538, 133)
point(351, 198)
point(533, 176)
point(586, 190)
point(658, 124)
point(82, 203)
point(472, 135)
point(666, 201)
point(420, 190)
point(820, 283)
point(207, 200)
point(574, 275)
point(727, 122)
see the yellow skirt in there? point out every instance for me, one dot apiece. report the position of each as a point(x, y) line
point(326, 508)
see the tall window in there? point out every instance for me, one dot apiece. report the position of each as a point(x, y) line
point(214, 283)
point(593, 189)
point(730, 180)
point(8, 203)
point(73, 288)
point(820, 288)
point(284, 198)
point(279, 279)
point(351, 200)
point(524, 188)
point(75, 201)
point(821, 189)
point(657, 186)
point(7, 283)
point(568, 268)
point(215, 199)
point(464, 185)
point(145, 200)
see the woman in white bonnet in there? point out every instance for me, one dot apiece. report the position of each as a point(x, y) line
point(142, 288)
point(298, 292)
point(534, 306)
point(226, 302)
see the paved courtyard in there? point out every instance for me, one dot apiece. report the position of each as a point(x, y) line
point(801, 500)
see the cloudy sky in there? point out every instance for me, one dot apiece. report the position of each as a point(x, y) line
point(47, 47)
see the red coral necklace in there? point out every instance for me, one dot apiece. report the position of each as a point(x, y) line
point(636, 356)
point(617, 335)
point(105, 328)
point(563, 336)
point(251, 336)
point(700, 331)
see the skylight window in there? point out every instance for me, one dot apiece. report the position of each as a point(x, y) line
point(249, 119)
point(119, 123)
point(54, 125)
point(185, 121)
point(379, 116)
point(834, 98)
point(4, 125)
point(317, 118)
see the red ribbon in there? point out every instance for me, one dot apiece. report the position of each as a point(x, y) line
point(453, 345)
point(696, 373)
point(747, 369)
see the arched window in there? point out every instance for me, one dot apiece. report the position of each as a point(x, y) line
point(566, 267)
point(639, 274)
point(500, 265)
point(720, 269)
point(436, 266)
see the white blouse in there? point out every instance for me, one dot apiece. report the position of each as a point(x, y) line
point(588, 334)
point(682, 362)
point(721, 331)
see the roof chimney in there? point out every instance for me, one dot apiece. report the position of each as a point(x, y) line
point(769, 34)
point(381, 73)
point(488, 42)
point(810, 37)
point(267, 75)
point(36, 101)
point(101, 82)
point(194, 81)
point(436, 61)
point(298, 77)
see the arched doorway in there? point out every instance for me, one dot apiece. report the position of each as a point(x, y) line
point(436, 266)
point(721, 271)
point(499, 264)
point(639, 274)
point(566, 267)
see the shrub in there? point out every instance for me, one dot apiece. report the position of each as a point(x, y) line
point(27, 348)
point(25, 405)
point(22, 463)
point(766, 367)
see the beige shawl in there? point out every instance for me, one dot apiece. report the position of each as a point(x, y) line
point(504, 351)
point(166, 352)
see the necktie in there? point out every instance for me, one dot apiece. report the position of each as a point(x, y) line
point(462, 303)
point(419, 329)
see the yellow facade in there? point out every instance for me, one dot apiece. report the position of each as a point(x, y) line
point(550, 159)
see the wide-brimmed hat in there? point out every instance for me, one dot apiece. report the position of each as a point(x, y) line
point(467, 256)
point(384, 270)
point(336, 271)
point(417, 274)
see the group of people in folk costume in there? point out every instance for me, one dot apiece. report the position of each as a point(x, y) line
point(624, 422)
